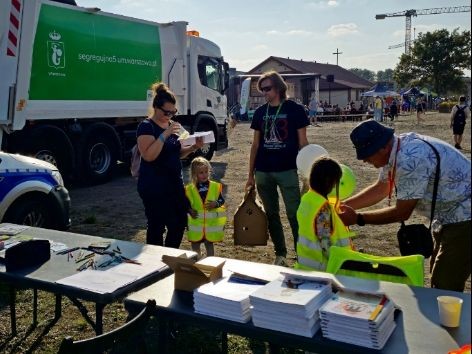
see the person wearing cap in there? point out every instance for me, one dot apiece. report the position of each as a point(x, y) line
point(407, 169)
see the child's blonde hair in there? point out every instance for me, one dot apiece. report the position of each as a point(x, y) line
point(196, 163)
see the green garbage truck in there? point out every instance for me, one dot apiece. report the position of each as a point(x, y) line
point(75, 83)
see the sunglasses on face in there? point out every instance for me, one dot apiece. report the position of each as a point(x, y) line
point(266, 88)
point(168, 113)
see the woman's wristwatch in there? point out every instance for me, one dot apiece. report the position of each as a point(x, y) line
point(360, 220)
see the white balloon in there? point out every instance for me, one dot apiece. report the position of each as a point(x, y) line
point(307, 156)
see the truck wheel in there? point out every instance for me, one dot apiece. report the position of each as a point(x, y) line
point(98, 148)
point(207, 150)
point(51, 144)
point(30, 211)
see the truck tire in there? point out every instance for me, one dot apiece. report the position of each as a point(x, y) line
point(207, 150)
point(32, 211)
point(99, 148)
point(49, 143)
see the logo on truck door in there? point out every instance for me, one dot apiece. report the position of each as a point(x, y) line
point(56, 51)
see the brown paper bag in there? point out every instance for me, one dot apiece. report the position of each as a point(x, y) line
point(250, 222)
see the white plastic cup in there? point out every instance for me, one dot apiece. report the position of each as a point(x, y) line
point(449, 310)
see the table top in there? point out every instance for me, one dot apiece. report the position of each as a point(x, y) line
point(418, 329)
point(44, 277)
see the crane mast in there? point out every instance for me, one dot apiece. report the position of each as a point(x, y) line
point(409, 13)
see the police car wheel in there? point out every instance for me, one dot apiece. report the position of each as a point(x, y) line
point(29, 212)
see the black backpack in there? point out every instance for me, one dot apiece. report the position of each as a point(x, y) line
point(459, 117)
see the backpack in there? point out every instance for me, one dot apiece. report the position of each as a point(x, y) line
point(135, 162)
point(459, 117)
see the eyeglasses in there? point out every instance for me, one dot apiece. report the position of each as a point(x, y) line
point(168, 113)
point(266, 88)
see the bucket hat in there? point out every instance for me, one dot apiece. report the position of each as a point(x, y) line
point(369, 137)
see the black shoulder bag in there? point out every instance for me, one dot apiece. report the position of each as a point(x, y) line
point(416, 238)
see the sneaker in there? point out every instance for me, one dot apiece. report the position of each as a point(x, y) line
point(280, 261)
point(458, 147)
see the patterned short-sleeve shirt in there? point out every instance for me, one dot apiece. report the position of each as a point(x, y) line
point(414, 177)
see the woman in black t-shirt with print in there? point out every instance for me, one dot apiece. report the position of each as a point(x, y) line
point(160, 182)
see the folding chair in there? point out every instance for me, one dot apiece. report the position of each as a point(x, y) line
point(131, 333)
point(407, 270)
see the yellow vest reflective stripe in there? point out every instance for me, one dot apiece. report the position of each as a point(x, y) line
point(309, 252)
point(209, 224)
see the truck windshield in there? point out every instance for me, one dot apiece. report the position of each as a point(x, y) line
point(210, 73)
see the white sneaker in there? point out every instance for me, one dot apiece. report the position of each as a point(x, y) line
point(280, 261)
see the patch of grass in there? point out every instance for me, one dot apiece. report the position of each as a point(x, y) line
point(91, 219)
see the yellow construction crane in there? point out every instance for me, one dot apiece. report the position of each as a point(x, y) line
point(410, 13)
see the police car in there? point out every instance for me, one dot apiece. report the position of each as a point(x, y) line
point(32, 193)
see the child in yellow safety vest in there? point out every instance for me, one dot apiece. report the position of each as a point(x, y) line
point(207, 214)
point(319, 225)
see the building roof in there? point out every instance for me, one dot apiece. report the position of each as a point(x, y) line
point(342, 76)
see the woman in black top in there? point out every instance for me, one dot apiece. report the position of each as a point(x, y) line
point(160, 182)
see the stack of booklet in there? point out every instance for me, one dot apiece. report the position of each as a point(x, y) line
point(362, 319)
point(290, 305)
point(225, 299)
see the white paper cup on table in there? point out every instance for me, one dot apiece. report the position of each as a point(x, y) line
point(449, 310)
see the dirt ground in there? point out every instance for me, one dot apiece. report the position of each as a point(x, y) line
point(115, 210)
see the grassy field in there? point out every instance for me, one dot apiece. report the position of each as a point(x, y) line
point(114, 210)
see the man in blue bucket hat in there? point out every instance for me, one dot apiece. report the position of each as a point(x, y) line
point(407, 171)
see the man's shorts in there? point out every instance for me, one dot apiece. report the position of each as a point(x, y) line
point(312, 113)
point(458, 129)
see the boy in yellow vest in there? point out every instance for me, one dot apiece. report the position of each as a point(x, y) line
point(319, 225)
point(207, 214)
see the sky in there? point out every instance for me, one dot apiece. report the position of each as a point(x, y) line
point(249, 31)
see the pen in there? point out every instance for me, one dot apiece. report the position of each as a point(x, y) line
point(68, 250)
point(85, 257)
point(378, 308)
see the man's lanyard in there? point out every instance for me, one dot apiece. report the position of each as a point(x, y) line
point(391, 174)
point(275, 117)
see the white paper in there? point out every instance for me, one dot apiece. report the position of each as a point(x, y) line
point(208, 137)
point(99, 281)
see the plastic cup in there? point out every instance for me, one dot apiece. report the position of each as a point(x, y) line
point(449, 310)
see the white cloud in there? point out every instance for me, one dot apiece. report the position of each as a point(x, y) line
point(323, 4)
point(343, 29)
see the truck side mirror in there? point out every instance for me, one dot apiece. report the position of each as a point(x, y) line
point(226, 76)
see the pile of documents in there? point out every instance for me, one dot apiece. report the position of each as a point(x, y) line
point(362, 319)
point(225, 299)
point(290, 305)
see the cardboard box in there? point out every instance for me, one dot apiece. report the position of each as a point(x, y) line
point(189, 274)
point(250, 222)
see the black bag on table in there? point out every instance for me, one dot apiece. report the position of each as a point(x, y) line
point(417, 238)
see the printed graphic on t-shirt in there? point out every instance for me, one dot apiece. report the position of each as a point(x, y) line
point(275, 131)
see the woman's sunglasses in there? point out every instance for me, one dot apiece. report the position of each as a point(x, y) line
point(168, 113)
point(266, 88)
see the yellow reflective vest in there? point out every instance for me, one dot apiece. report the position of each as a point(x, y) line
point(309, 253)
point(209, 224)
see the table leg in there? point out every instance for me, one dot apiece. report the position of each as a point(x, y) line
point(35, 307)
point(99, 318)
point(58, 308)
point(13, 309)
